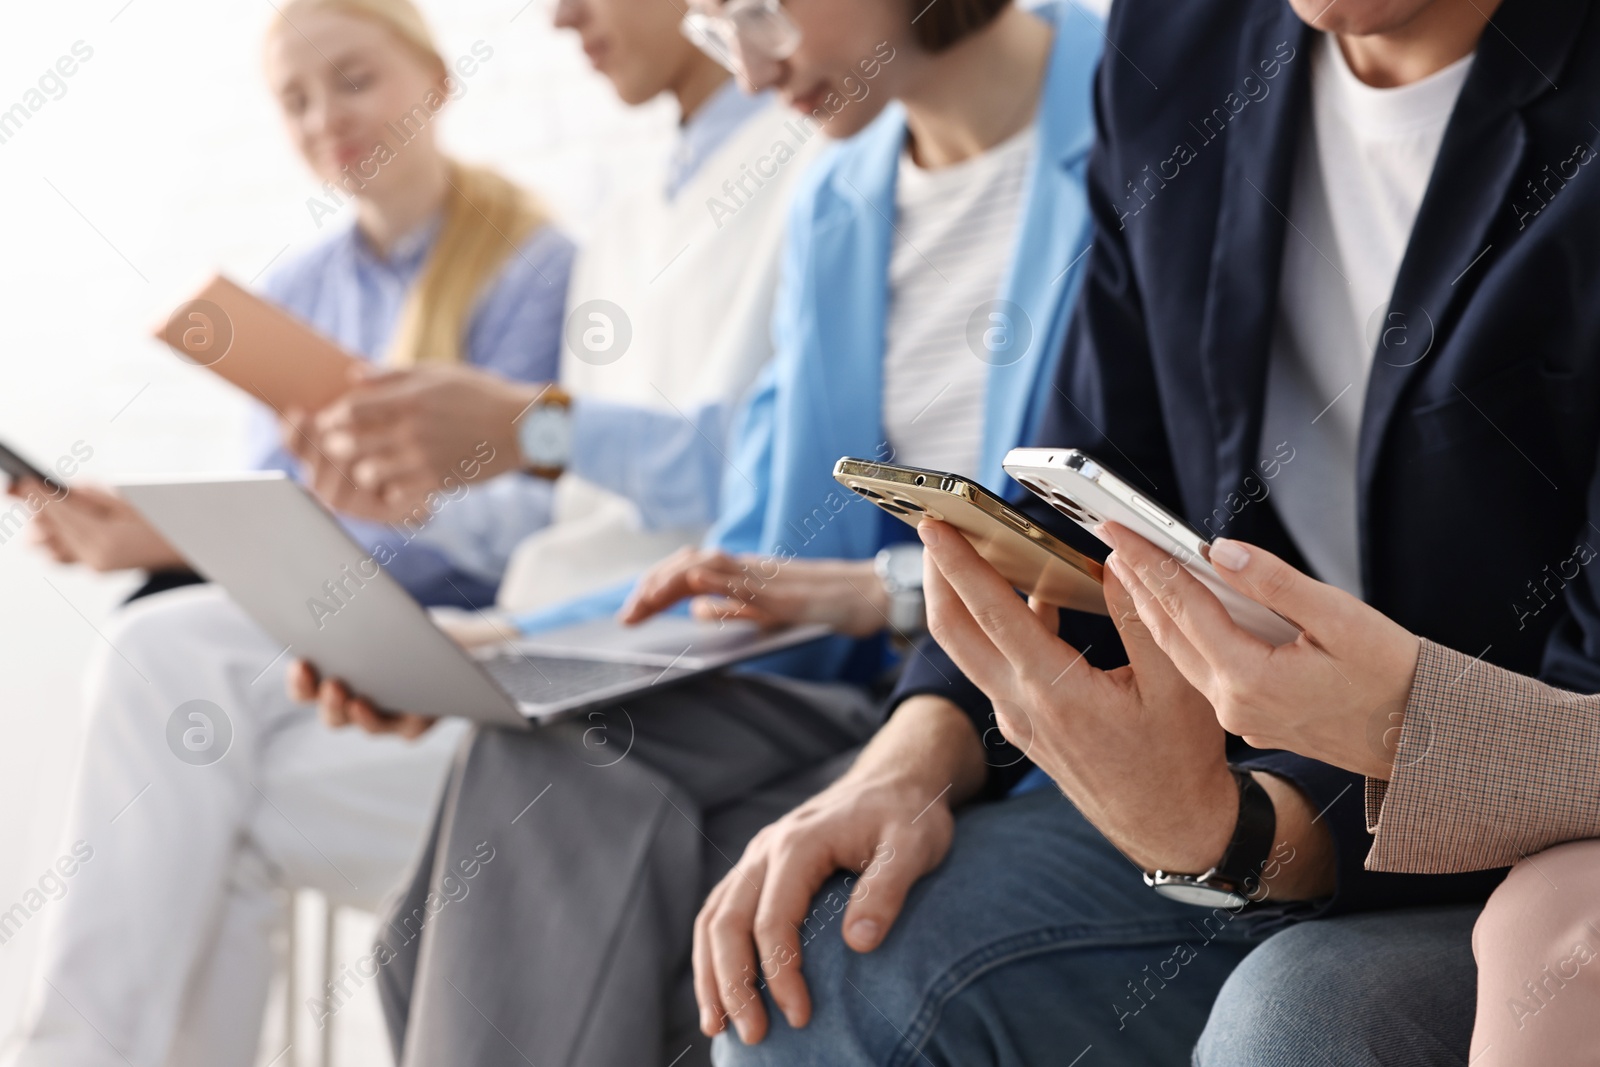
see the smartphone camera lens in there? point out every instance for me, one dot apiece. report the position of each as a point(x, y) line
point(1068, 508)
point(909, 505)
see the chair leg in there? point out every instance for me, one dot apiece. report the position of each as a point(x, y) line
point(291, 985)
point(330, 946)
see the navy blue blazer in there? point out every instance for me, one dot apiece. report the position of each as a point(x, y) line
point(1477, 489)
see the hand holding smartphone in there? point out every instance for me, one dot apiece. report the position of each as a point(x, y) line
point(18, 469)
point(1029, 557)
point(1085, 491)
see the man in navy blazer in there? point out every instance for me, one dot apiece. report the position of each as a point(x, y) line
point(1230, 247)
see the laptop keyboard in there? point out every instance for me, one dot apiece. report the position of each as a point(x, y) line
point(551, 680)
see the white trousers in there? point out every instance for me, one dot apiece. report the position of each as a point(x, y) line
point(160, 953)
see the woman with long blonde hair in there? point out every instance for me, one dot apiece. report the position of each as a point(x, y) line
point(160, 951)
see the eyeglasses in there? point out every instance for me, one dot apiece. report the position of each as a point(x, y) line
point(745, 36)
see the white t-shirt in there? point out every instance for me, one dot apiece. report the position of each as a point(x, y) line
point(955, 231)
point(1363, 165)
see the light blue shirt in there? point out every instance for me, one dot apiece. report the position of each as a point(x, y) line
point(347, 291)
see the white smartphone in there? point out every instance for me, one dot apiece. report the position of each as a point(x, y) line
point(1081, 488)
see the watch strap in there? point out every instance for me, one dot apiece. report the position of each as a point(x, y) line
point(1253, 833)
point(1235, 880)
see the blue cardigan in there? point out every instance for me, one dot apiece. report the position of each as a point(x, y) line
point(821, 397)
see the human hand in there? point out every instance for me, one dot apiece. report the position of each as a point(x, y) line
point(846, 595)
point(1338, 693)
point(97, 528)
point(331, 482)
point(1137, 749)
point(398, 436)
point(340, 708)
point(889, 820)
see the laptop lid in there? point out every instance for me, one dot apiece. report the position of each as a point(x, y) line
point(287, 561)
point(289, 564)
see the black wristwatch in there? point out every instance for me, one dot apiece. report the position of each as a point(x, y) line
point(1236, 879)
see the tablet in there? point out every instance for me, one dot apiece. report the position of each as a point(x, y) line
point(259, 348)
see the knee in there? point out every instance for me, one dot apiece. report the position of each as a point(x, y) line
point(150, 638)
point(838, 1033)
point(1543, 912)
point(1277, 1005)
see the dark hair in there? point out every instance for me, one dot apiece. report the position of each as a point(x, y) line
point(941, 23)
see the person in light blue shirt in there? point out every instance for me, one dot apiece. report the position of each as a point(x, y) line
point(353, 293)
point(375, 286)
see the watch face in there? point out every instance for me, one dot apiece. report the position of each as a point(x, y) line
point(546, 436)
point(1200, 895)
point(905, 567)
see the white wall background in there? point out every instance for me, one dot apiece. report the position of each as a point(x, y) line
point(163, 161)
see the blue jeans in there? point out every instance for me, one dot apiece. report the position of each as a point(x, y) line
point(1033, 943)
point(1385, 989)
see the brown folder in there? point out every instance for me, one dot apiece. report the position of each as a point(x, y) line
point(260, 348)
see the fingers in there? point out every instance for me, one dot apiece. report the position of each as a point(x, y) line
point(339, 493)
point(300, 679)
point(732, 952)
point(688, 572)
point(26, 487)
point(1006, 622)
point(297, 430)
point(339, 708)
point(333, 703)
point(1158, 651)
point(958, 633)
point(1258, 574)
point(1179, 603)
point(411, 726)
point(1048, 613)
point(404, 472)
point(897, 864)
point(713, 1016)
point(376, 402)
point(720, 609)
point(798, 871)
point(365, 715)
point(89, 501)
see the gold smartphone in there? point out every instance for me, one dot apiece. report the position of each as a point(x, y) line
point(1026, 555)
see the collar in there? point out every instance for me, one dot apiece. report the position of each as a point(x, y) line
point(1064, 98)
point(408, 252)
point(708, 129)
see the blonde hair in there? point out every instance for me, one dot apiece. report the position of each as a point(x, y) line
point(485, 217)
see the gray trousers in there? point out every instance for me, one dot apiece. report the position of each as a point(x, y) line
point(549, 918)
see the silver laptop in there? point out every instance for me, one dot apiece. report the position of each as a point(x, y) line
point(290, 565)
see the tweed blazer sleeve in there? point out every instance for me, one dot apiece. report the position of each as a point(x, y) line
point(1491, 766)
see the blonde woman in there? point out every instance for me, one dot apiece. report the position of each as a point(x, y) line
point(160, 952)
